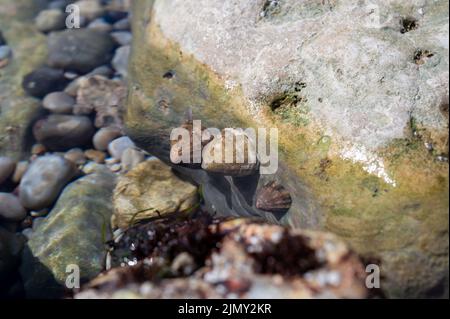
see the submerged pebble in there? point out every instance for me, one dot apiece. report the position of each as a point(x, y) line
point(119, 145)
point(104, 136)
point(44, 80)
point(50, 20)
point(44, 180)
point(7, 166)
point(10, 208)
point(62, 132)
point(59, 102)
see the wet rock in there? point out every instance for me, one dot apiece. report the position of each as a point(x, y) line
point(90, 9)
point(95, 155)
point(79, 50)
point(229, 259)
point(120, 60)
point(131, 157)
point(10, 248)
point(335, 134)
point(44, 80)
point(50, 20)
point(104, 71)
point(105, 97)
point(62, 132)
point(59, 102)
point(38, 149)
point(119, 145)
point(20, 170)
point(59, 4)
point(81, 215)
point(122, 37)
point(10, 208)
point(151, 190)
point(76, 156)
point(122, 25)
point(7, 166)
point(44, 180)
point(104, 136)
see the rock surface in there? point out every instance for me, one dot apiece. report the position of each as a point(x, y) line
point(44, 180)
point(43, 81)
point(150, 190)
point(79, 50)
point(57, 241)
point(118, 146)
point(361, 113)
point(104, 136)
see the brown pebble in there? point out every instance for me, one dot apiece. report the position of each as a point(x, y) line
point(75, 155)
point(96, 156)
point(21, 168)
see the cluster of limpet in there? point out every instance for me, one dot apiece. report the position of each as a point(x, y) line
point(241, 161)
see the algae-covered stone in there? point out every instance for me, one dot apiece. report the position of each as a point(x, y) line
point(361, 113)
point(151, 190)
point(74, 233)
point(16, 108)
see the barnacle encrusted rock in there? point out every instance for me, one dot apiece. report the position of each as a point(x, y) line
point(151, 190)
point(229, 258)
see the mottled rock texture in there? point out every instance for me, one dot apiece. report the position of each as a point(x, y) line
point(361, 108)
point(74, 232)
point(17, 110)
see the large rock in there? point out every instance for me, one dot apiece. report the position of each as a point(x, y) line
point(80, 50)
point(74, 232)
point(361, 110)
point(16, 108)
point(151, 190)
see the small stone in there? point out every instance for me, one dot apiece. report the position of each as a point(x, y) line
point(7, 167)
point(71, 75)
point(79, 50)
point(20, 170)
point(96, 156)
point(50, 20)
point(10, 208)
point(120, 60)
point(59, 102)
point(131, 157)
point(44, 80)
point(101, 25)
point(102, 70)
point(122, 37)
point(92, 167)
point(151, 190)
point(119, 145)
point(5, 52)
point(122, 25)
point(27, 232)
point(27, 222)
point(38, 149)
point(104, 136)
point(62, 132)
point(76, 156)
point(90, 9)
point(44, 180)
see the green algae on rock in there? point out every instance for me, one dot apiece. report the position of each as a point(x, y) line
point(17, 110)
point(386, 194)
